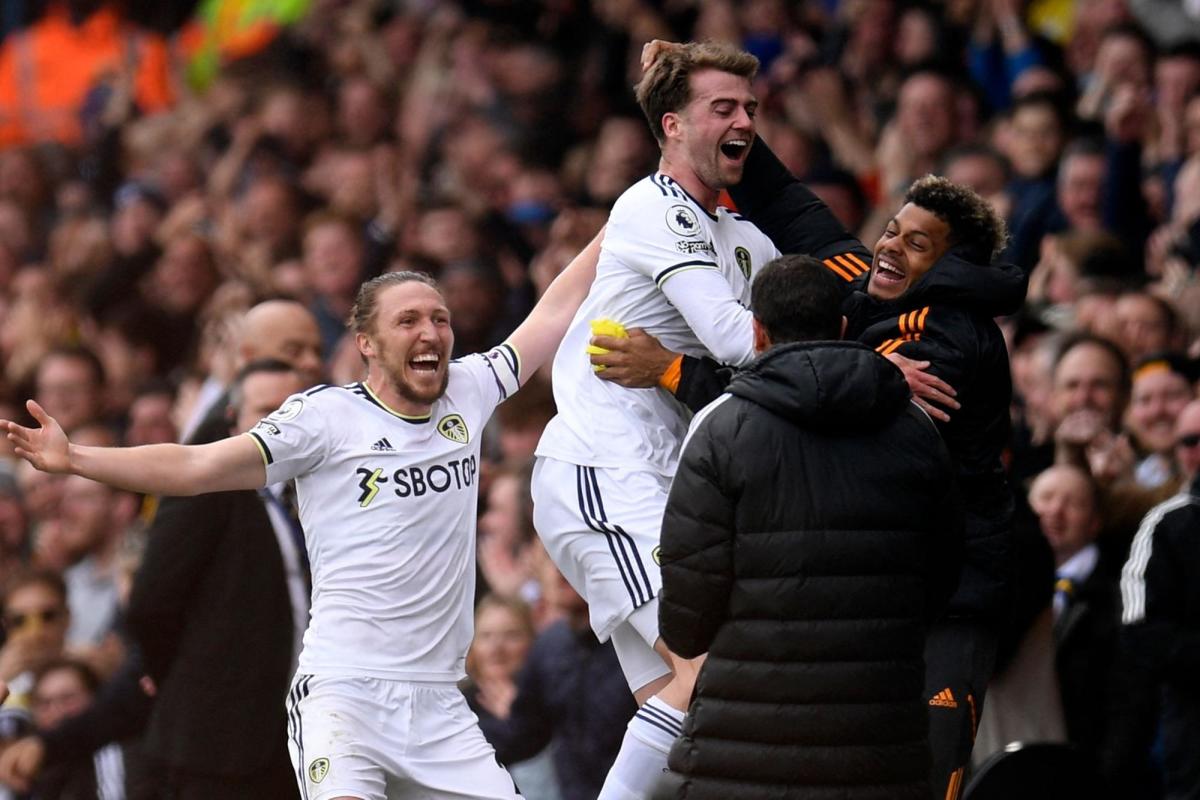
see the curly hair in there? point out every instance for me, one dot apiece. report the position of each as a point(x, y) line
point(666, 86)
point(976, 230)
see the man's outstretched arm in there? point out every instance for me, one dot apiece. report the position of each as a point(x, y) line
point(163, 469)
point(537, 338)
point(795, 219)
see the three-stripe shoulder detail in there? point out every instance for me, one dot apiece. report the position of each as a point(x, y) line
point(846, 266)
point(911, 325)
point(1133, 574)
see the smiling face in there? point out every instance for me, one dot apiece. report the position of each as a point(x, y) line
point(502, 641)
point(408, 344)
point(711, 136)
point(1065, 505)
point(1155, 401)
point(911, 244)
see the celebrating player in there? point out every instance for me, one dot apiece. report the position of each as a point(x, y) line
point(677, 265)
point(386, 475)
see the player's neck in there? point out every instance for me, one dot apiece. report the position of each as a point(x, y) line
point(685, 176)
point(385, 392)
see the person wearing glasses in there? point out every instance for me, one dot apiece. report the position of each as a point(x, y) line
point(1160, 598)
point(35, 618)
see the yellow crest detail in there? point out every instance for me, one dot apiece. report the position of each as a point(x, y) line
point(453, 428)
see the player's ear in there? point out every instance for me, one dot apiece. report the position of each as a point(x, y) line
point(762, 339)
point(670, 124)
point(364, 344)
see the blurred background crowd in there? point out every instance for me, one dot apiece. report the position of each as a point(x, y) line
point(167, 167)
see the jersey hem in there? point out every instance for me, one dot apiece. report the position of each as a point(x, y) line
point(343, 671)
point(584, 461)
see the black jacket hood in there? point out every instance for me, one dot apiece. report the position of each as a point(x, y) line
point(829, 385)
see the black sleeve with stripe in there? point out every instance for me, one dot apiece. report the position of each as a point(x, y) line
point(701, 380)
point(794, 218)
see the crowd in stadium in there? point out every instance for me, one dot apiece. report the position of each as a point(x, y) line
point(162, 226)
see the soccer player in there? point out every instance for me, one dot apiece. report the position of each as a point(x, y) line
point(679, 266)
point(386, 475)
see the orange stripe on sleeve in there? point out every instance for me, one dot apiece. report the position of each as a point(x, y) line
point(669, 380)
point(921, 320)
point(884, 346)
point(829, 262)
point(848, 264)
point(862, 266)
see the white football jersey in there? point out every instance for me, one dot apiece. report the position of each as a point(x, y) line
point(388, 506)
point(658, 246)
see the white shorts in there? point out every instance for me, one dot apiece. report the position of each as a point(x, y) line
point(377, 739)
point(601, 527)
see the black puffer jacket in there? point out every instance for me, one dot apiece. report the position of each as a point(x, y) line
point(812, 530)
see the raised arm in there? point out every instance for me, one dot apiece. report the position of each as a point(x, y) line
point(539, 335)
point(794, 218)
point(163, 469)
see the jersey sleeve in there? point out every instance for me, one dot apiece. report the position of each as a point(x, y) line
point(664, 238)
point(496, 374)
point(794, 218)
point(292, 439)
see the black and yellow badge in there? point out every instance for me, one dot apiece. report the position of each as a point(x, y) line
point(742, 256)
point(318, 769)
point(453, 428)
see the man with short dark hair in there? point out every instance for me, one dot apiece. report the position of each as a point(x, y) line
point(813, 684)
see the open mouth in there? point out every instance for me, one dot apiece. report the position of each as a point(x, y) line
point(426, 362)
point(887, 270)
point(735, 149)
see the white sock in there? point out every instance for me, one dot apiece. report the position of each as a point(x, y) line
point(642, 759)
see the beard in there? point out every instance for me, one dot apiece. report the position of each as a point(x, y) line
point(425, 397)
point(396, 368)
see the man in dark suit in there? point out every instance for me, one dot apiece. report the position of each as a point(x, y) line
point(1086, 602)
point(216, 607)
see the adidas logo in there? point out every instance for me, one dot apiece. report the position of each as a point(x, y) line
point(383, 446)
point(945, 699)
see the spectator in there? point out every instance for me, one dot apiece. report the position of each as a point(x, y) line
point(333, 261)
point(503, 636)
point(570, 696)
point(14, 524)
point(65, 689)
point(507, 537)
point(93, 522)
point(1086, 603)
point(36, 617)
point(1161, 387)
point(71, 381)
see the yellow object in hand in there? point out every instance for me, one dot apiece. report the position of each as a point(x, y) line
point(604, 327)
